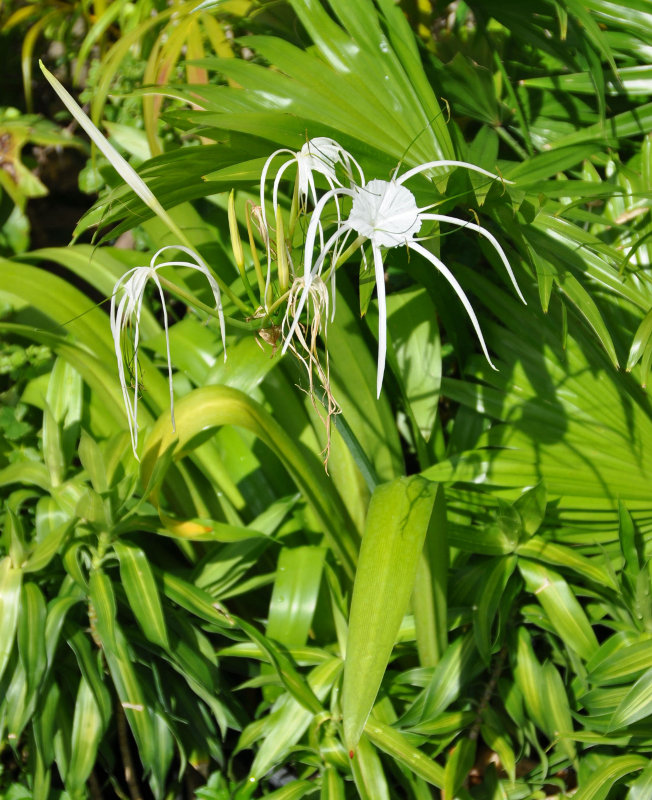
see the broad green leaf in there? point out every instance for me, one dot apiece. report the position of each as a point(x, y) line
point(563, 610)
point(32, 473)
point(558, 555)
point(19, 704)
point(605, 777)
point(332, 785)
point(640, 342)
point(142, 592)
point(397, 522)
point(87, 729)
point(31, 634)
point(587, 307)
point(528, 673)
point(459, 763)
point(456, 668)
point(214, 406)
point(628, 123)
point(627, 535)
point(446, 724)
point(559, 713)
point(90, 665)
point(65, 401)
point(293, 791)
point(493, 587)
point(90, 455)
point(10, 583)
point(56, 617)
point(353, 378)
point(290, 719)
point(531, 506)
point(429, 598)
point(47, 548)
point(195, 600)
point(368, 772)
point(499, 742)
point(128, 686)
point(396, 744)
point(294, 596)
point(44, 722)
point(411, 322)
point(641, 788)
point(633, 81)
point(627, 660)
point(285, 669)
point(15, 536)
point(637, 704)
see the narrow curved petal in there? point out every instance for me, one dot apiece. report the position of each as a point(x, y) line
point(351, 160)
point(315, 221)
point(433, 164)
point(263, 175)
point(120, 313)
point(458, 290)
point(488, 235)
point(166, 328)
point(201, 266)
point(337, 251)
point(263, 178)
point(308, 278)
point(277, 181)
point(382, 316)
point(320, 154)
point(129, 307)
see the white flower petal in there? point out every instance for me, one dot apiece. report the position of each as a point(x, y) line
point(488, 235)
point(458, 291)
point(382, 317)
point(434, 164)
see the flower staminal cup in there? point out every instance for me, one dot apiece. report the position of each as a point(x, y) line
point(127, 309)
point(386, 214)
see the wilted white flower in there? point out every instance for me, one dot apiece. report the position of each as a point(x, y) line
point(386, 214)
point(320, 155)
point(130, 290)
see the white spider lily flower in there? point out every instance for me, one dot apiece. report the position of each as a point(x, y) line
point(386, 214)
point(319, 155)
point(131, 289)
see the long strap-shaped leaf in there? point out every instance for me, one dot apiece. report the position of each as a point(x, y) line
point(398, 519)
point(214, 406)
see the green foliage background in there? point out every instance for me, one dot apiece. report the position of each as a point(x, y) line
point(461, 607)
